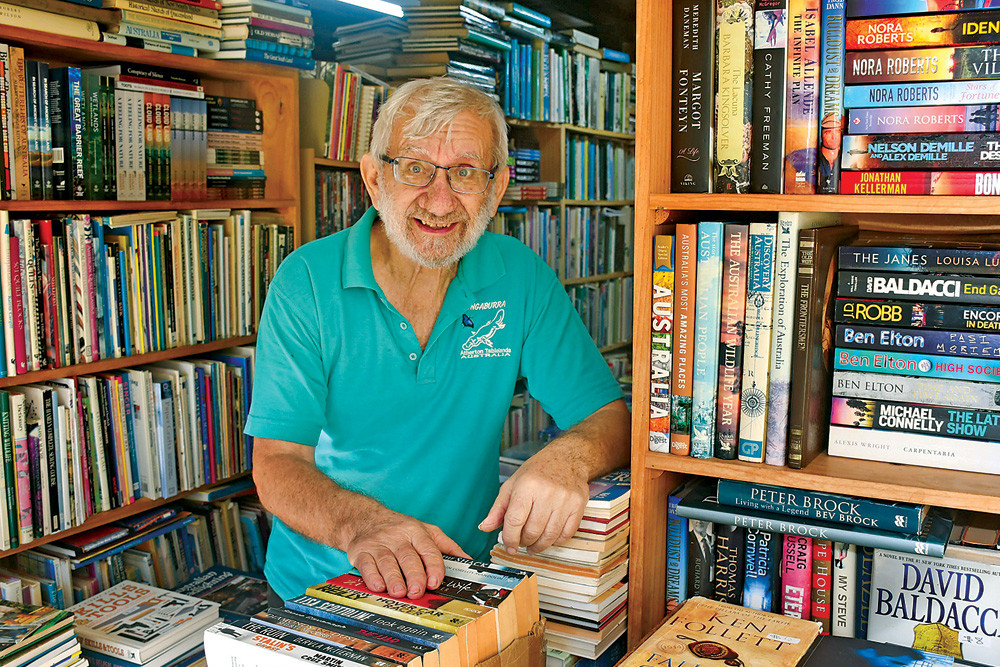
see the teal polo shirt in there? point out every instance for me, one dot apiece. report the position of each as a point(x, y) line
point(339, 369)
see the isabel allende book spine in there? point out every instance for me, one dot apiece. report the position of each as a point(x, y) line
point(802, 97)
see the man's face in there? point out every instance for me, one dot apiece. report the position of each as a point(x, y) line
point(433, 225)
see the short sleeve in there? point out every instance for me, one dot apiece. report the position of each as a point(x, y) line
point(289, 391)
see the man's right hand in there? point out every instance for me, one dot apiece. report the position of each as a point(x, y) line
point(400, 555)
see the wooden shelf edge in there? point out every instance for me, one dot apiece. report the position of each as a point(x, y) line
point(337, 164)
point(104, 518)
point(599, 278)
point(576, 129)
point(87, 205)
point(105, 365)
point(927, 205)
point(834, 474)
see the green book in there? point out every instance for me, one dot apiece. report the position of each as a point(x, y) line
point(10, 485)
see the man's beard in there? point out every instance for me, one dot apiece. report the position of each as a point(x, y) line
point(435, 255)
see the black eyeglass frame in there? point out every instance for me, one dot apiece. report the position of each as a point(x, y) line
point(447, 171)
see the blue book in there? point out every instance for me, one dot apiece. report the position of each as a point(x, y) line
point(677, 546)
point(702, 504)
point(708, 297)
point(268, 57)
point(129, 424)
point(918, 93)
point(617, 56)
point(831, 96)
point(523, 13)
point(761, 580)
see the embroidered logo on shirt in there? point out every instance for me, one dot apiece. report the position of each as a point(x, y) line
point(480, 341)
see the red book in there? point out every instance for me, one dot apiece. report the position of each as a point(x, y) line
point(796, 577)
point(209, 404)
point(20, 353)
point(822, 582)
point(52, 342)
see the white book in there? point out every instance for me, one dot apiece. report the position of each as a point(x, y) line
point(187, 370)
point(265, 646)
point(38, 440)
point(182, 435)
point(163, 391)
point(844, 589)
point(19, 436)
point(66, 397)
point(8, 299)
point(149, 486)
point(917, 449)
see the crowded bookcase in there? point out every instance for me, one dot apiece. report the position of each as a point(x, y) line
point(655, 475)
point(275, 92)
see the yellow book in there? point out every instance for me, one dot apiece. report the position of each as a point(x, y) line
point(58, 24)
point(162, 23)
point(188, 16)
point(708, 630)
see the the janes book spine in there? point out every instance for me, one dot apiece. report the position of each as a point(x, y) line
point(662, 343)
point(730, 372)
point(693, 97)
point(910, 259)
point(947, 118)
point(768, 110)
point(934, 391)
point(802, 97)
point(733, 95)
point(706, 350)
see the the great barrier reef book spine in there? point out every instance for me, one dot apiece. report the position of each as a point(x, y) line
point(831, 97)
point(873, 513)
point(796, 576)
point(934, 391)
point(915, 418)
point(693, 96)
point(943, 29)
point(915, 93)
point(957, 150)
point(844, 595)
point(862, 8)
point(769, 61)
point(802, 101)
point(986, 183)
point(930, 64)
point(708, 290)
point(927, 341)
point(730, 371)
point(754, 396)
point(949, 288)
point(733, 95)
point(662, 343)
point(683, 354)
point(946, 118)
point(761, 583)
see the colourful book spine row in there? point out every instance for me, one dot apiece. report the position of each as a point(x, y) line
point(947, 288)
point(922, 94)
point(915, 418)
point(920, 183)
point(923, 260)
point(925, 341)
point(958, 150)
point(932, 391)
point(949, 118)
point(918, 314)
point(921, 365)
point(931, 30)
point(933, 64)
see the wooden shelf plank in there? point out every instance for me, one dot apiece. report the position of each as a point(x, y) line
point(88, 206)
point(104, 518)
point(600, 277)
point(576, 129)
point(336, 164)
point(926, 205)
point(105, 365)
point(531, 202)
point(836, 474)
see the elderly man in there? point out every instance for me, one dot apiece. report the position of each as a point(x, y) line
point(387, 359)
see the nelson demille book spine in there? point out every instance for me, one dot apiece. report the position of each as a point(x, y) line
point(662, 343)
point(985, 183)
point(831, 97)
point(930, 64)
point(733, 95)
point(948, 288)
point(959, 150)
point(802, 97)
point(693, 99)
point(918, 314)
point(730, 371)
point(944, 29)
point(948, 118)
point(769, 61)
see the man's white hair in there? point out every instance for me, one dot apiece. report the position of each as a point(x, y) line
point(428, 106)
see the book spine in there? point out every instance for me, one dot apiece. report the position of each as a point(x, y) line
point(8, 174)
point(872, 513)
point(19, 127)
point(931, 64)
point(202, 43)
point(662, 343)
point(796, 577)
point(862, 8)
point(729, 566)
point(34, 129)
point(905, 259)
point(769, 84)
point(693, 96)
point(916, 94)
point(708, 297)
point(10, 472)
point(754, 397)
point(916, 449)
point(822, 582)
point(701, 557)
point(22, 466)
point(863, 591)
point(844, 589)
point(327, 609)
point(17, 307)
point(677, 552)
point(961, 150)
point(59, 118)
point(684, 313)
point(45, 130)
point(980, 290)
point(802, 97)
point(946, 118)
point(831, 96)
point(60, 24)
point(932, 391)
point(733, 95)
point(925, 341)
point(394, 608)
point(942, 29)
point(730, 372)
point(761, 584)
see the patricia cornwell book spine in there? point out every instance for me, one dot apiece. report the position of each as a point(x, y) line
point(730, 371)
point(943, 29)
point(918, 93)
point(961, 394)
point(733, 95)
point(708, 296)
point(761, 582)
point(985, 183)
point(831, 98)
point(729, 563)
point(927, 341)
point(662, 343)
point(769, 61)
point(802, 101)
point(959, 150)
point(915, 418)
point(693, 100)
point(929, 64)
point(683, 353)
point(947, 118)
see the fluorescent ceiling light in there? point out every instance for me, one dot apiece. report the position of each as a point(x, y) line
point(377, 6)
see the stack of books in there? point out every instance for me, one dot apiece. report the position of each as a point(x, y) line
point(35, 635)
point(580, 587)
point(136, 624)
point(277, 32)
point(185, 27)
point(478, 612)
point(235, 151)
point(372, 45)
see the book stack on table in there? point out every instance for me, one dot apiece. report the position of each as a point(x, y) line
point(36, 635)
point(580, 587)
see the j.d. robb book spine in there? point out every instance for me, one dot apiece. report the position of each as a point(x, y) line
point(761, 585)
point(769, 61)
point(920, 260)
point(959, 150)
point(926, 341)
point(796, 576)
point(862, 8)
point(932, 30)
point(693, 101)
point(904, 287)
point(932, 451)
point(985, 183)
point(708, 290)
point(932, 391)
point(733, 95)
point(913, 94)
point(662, 343)
point(831, 98)
point(683, 354)
point(915, 418)
point(931, 64)
point(921, 365)
point(844, 589)
point(730, 371)
point(949, 118)
point(802, 101)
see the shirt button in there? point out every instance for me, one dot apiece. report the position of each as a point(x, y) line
point(402, 325)
point(413, 356)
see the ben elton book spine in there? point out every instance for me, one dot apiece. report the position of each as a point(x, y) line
point(730, 372)
point(958, 150)
point(934, 391)
point(947, 118)
point(693, 99)
point(921, 365)
point(939, 287)
point(931, 64)
point(802, 97)
point(932, 451)
point(915, 418)
point(767, 132)
point(943, 29)
point(831, 96)
point(761, 585)
point(733, 95)
point(926, 341)
point(861, 8)
point(915, 94)
point(986, 183)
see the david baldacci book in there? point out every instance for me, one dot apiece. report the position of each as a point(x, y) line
point(706, 632)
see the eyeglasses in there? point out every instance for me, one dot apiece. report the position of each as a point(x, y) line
point(418, 173)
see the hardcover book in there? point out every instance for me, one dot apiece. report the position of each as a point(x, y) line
point(958, 150)
point(677, 546)
point(918, 93)
point(822, 582)
point(708, 286)
point(796, 576)
point(915, 418)
point(983, 261)
point(985, 183)
point(693, 95)
point(837, 651)
point(933, 391)
point(730, 372)
point(683, 343)
point(761, 580)
point(802, 97)
point(831, 98)
point(931, 64)
point(239, 594)
point(843, 591)
point(728, 570)
point(946, 118)
point(733, 95)
point(662, 343)
point(768, 110)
